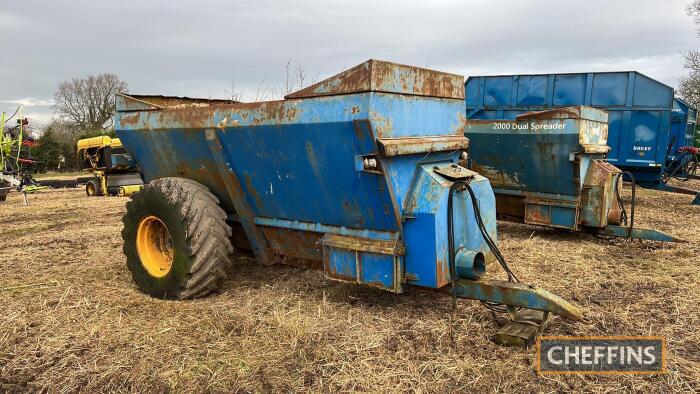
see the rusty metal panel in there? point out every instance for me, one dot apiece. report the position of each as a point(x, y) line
point(412, 145)
point(510, 206)
point(381, 76)
point(598, 201)
point(294, 243)
point(143, 102)
point(560, 214)
point(392, 247)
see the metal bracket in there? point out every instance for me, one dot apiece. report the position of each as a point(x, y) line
point(261, 248)
point(517, 295)
point(636, 232)
point(454, 172)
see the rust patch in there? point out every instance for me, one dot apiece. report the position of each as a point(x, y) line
point(171, 101)
point(254, 193)
point(354, 80)
point(299, 245)
point(510, 205)
point(498, 177)
point(381, 76)
point(557, 113)
point(130, 120)
point(462, 126)
point(534, 214)
point(189, 118)
point(411, 145)
point(442, 273)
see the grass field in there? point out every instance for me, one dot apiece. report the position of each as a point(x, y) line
point(71, 318)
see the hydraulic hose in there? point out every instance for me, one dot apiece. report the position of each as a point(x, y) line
point(633, 203)
point(461, 186)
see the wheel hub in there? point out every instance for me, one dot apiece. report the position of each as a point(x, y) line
point(154, 246)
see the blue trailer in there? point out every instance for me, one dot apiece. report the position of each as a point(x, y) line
point(639, 112)
point(358, 175)
point(639, 109)
point(683, 120)
point(682, 156)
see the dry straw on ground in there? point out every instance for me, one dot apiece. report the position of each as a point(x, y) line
point(72, 320)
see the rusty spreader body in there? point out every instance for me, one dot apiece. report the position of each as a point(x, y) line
point(548, 168)
point(358, 174)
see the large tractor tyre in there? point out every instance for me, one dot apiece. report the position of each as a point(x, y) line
point(176, 239)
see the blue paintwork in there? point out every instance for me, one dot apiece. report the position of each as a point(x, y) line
point(549, 169)
point(297, 166)
point(541, 160)
point(683, 120)
point(325, 228)
point(639, 109)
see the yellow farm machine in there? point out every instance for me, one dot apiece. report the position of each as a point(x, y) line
point(113, 171)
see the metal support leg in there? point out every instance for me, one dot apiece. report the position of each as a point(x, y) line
point(638, 233)
point(664, 187)
point(518, 295)
point(261, 248)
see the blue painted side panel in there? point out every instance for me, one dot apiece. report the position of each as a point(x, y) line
point(344, 263)
point(534, 161)
point(426, 224)
point(639, 109)
point(564, 217)
point(378, 269)
point(342, 195)
point(420, 231)
point(683, 120)
point(375, 269)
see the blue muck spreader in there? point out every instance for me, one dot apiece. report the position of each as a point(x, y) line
point(649, 132)
point(549, 168)
point(361, 175)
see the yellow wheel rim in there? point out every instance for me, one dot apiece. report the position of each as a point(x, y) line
point(90, 189)
point(154, 246)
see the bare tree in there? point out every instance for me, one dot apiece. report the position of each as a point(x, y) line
point(689, 85)
point(234, 94)
point(89, 101)
point(689, 88)
point(693, 9)
point(265, 91)
point(296, 78)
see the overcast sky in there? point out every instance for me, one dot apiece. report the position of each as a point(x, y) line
point(196, 48)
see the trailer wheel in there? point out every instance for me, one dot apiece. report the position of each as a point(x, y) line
point(176, 239)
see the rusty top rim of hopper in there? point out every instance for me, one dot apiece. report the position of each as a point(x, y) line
point(572, 112)
point(382, 76)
